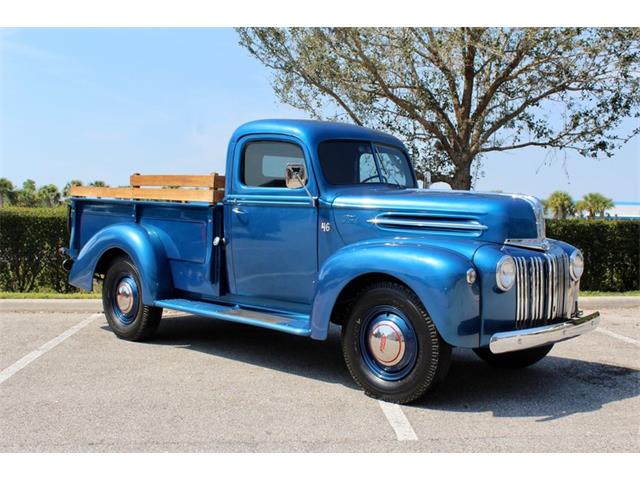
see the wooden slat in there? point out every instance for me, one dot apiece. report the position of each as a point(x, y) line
point(148, 194)
point(210, 181)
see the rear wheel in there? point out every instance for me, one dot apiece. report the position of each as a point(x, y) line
point(127, 316)
point(391, 345)
point(518, 359)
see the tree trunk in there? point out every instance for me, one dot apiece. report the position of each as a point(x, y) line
point(461, 178)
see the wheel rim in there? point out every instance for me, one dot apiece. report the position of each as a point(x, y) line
point(125, 299)
point(388, 343)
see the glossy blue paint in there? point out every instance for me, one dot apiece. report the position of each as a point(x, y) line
point(285, 253)
point(483, 216)
point(141, 245)
point(435, 273)
point(271, 233)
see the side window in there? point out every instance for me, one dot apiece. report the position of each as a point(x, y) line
point(264, 163)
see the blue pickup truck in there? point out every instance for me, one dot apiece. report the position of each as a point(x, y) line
point(323, 223)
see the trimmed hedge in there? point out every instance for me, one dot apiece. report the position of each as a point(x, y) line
point(30, 238)
point(29, 241)
point(611, 250)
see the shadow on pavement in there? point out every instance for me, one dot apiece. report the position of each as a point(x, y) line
point(554, 388)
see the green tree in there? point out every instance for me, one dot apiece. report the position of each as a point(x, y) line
point(7, 193)
point(560, 204)
point(594, 204)
point(27, 195)
point(67, 188)
point(98, 183)
point(455, 94)
point(48, 196)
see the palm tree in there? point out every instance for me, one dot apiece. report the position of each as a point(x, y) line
point(6, 191)
point(594, 204)
point(67, 188)
point(49, 196)
point(560, 204)
point(26, 197)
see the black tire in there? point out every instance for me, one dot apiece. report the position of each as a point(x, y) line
point(142, 320)
point(518, 359)
point(431, 355)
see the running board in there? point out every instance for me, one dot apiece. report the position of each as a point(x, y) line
point(294, 323)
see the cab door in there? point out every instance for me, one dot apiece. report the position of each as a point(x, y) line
point(271, 229)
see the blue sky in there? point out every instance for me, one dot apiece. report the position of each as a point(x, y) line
point(104, 103)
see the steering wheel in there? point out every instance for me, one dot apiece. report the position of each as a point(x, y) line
point(369, 178)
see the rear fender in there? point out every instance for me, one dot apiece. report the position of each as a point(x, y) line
point(141, 244)
point(437, 276)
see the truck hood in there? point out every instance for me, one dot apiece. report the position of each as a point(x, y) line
point(486, 216)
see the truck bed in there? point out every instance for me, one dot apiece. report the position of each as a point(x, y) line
point(185, 230)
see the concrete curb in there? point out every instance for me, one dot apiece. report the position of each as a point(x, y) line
point(593, 303)
point(58, 305)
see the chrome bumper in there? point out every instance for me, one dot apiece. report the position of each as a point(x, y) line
point(535, 337)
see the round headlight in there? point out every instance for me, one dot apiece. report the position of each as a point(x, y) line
point(506, 273)
point(576, 266)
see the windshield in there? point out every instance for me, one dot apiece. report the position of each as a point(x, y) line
point(357, 162)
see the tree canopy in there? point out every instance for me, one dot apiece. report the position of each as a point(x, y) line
point(455, 94)
point(594, 204)
point(32, 196)
point(560, 204)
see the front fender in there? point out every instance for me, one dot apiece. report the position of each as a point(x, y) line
point(437, 275)
point(142, 245)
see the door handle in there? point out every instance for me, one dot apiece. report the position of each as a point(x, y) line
point(238, 211)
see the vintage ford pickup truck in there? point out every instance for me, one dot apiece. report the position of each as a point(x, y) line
point(323, 223)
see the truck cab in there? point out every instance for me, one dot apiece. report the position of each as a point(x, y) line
point(323, 223)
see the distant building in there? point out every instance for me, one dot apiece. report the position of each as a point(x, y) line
point(624, 210)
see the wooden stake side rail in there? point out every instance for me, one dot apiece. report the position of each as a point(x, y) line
point(213, 181)
point(211, 188)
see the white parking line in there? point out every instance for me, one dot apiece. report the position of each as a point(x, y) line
point(398, 421)
point(10, 371)
point(618, 336)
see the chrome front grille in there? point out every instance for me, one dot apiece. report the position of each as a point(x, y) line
point(543, 289)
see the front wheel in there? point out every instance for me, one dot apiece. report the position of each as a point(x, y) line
point(127, 316)
point(517, 359)
point(391, 346)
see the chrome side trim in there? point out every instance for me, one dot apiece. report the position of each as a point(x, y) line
point(535, 337)
point(275, 203)
point(268, 200)
point(384, 221)
point(254, 315)
point(531, 243)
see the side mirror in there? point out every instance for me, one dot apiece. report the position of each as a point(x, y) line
point(295, 175)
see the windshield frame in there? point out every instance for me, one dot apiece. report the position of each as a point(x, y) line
point(373, 145)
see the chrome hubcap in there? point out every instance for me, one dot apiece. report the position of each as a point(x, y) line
point(124, 297)
point(386, 343)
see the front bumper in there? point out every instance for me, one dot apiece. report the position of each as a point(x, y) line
point(534, 337)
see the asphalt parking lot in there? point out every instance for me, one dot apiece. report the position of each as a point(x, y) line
point(68, 384)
